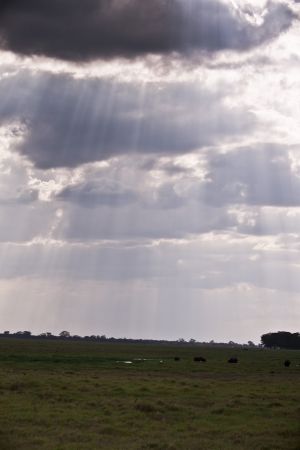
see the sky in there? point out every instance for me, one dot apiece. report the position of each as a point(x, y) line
point(150, 167)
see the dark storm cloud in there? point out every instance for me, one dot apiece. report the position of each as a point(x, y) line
point(66, 122)
point(78, 30)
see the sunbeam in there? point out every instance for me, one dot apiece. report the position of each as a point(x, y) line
point(149, 174)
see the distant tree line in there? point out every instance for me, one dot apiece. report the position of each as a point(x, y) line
point(66, 335)
point(281, 339)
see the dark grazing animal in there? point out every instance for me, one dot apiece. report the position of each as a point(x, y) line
point(287, 363)
point(176, 358)
point(199, 359)
point(233, 360)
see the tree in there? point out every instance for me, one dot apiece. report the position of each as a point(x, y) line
point(25, 334)
point(64, 334)
point(281, 339)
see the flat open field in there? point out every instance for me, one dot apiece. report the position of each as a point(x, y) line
point(62, 395)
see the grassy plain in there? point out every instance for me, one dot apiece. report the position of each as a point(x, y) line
point(58, 395)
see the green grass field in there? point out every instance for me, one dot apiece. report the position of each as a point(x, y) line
point(76, 395)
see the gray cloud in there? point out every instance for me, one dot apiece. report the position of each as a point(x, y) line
point(66, 122)
point(194, 264)
point(97, 193)
point(252, 176)
point(162, 219)
point(165, 197)
point(77, 31)
point(170, 168)
point(22, 196)
point(24, 221)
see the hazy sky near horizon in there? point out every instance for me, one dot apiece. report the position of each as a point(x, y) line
point(150, 167)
